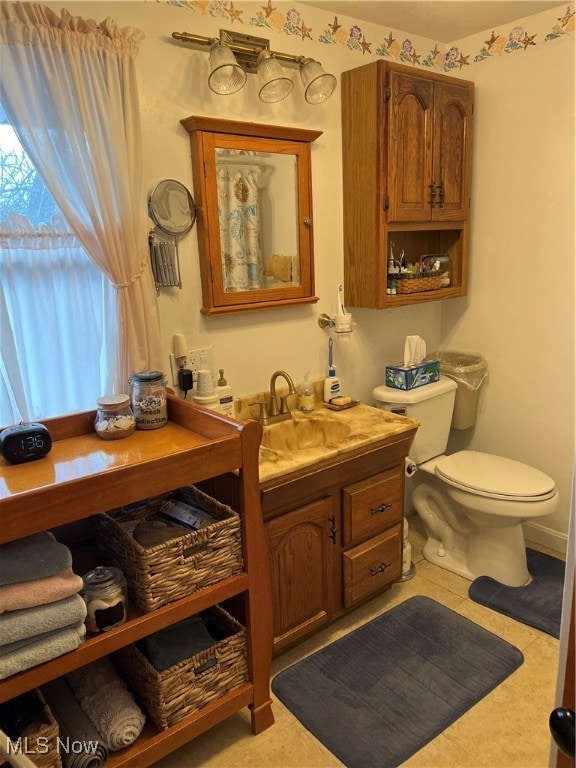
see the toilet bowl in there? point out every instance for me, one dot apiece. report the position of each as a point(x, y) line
point(472, 504)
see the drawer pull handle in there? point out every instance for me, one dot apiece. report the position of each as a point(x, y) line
point(380, 508)
point(381, 568)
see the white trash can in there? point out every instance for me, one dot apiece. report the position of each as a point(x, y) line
point(468, 371)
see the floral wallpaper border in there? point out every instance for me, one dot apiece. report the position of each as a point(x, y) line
point(396, 46)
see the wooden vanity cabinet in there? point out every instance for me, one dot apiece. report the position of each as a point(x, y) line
point(335, 536)
point(407, 158)
point(84, 475)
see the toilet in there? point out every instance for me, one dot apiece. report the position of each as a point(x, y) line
point(472, 504)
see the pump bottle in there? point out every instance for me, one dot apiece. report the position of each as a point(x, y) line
point(331, 385)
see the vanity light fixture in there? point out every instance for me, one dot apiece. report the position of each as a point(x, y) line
point(234, 55)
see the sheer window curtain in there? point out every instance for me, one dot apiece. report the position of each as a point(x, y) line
point(69, 88)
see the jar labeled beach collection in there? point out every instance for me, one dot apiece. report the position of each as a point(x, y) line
point(149, 399)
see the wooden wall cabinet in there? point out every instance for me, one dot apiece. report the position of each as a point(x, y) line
point(84, 475)
point(335, 537)
point(407, 156)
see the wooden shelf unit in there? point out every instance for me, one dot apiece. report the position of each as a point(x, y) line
point(84, 475)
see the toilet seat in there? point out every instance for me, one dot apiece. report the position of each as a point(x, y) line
point(484, 474)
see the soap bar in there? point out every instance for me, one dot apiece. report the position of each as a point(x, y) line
point(340, 400)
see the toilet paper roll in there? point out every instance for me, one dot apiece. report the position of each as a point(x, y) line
point(410, 467)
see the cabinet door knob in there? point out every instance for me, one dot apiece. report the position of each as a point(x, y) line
point(432, 188)
point(381, 508)
point(381, 568)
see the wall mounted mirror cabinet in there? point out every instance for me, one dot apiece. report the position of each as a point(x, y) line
point(253, 189)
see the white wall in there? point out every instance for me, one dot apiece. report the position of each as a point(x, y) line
point(519, 311)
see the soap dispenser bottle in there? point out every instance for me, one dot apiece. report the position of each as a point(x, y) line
point(306, 395)
point(331, 385)
point(225, 395)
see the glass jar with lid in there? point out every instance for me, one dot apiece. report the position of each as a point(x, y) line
point(105, 595)
point(149, 399)
point(114, 417)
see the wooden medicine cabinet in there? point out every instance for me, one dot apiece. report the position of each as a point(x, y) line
point(253, 188)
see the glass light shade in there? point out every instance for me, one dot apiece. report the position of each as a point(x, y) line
point(226, 75)
point(318, 85)
point(274, 85)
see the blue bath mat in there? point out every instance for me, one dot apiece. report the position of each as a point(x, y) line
point(538, 604)
point(379, 694)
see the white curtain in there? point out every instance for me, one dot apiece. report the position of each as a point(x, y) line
point(69, 88)
point(239, 228)
point(49, 287)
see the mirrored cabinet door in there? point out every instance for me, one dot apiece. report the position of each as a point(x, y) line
point(253, 187)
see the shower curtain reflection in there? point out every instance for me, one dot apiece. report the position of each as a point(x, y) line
point(238, 212)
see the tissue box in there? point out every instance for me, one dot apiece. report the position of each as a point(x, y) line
point(412, 376)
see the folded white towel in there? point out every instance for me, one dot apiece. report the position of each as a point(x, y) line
point(33, 557)
point(108, 703)
point(28, 622)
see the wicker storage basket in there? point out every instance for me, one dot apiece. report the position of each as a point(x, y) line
point(46, 739)
point(176, 568)
point(184, 688)
point(416, 282)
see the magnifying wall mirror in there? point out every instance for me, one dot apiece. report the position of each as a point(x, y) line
point(172, 209)
point(255, 214)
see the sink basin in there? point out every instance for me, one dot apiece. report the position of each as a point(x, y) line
point(300, 434)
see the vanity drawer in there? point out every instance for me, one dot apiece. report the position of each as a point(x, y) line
point(371, 505)
point(370, 566)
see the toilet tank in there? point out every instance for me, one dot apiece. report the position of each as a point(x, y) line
point(431, 405)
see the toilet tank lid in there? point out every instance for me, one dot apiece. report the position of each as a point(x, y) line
point(384, 394)
point(494, 475)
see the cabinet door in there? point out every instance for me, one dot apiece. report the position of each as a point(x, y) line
point(452, 151)
point(301, 562)
point(409, 147)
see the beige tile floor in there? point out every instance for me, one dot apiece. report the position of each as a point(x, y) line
point(507, 729)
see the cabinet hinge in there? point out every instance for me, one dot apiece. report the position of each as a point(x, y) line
point(386, 202)
point(387, 93)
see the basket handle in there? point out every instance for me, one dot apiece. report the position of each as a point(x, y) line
point(190, 552)
point(201, 668)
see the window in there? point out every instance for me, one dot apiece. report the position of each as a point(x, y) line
point(57, 309)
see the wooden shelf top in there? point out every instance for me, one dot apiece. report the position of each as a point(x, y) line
point(84, 475)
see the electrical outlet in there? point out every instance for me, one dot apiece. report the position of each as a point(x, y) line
point(193, 362)
point(196, 357)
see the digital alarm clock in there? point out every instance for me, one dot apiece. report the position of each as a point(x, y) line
point(25, 442)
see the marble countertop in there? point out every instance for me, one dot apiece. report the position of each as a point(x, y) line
point(287, 450)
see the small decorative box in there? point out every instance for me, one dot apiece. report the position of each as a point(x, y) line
point(412, 376)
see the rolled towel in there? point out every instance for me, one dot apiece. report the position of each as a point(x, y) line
point(33, 557)
point(49, 647)
point(28, 594)
point(28, 622)
point(74, 727)
point(108, 703)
